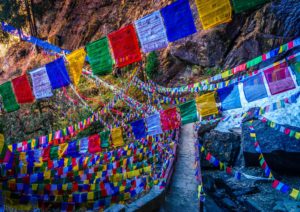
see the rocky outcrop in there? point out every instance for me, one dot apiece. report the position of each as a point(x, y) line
point(224, 146)
point(282, 152)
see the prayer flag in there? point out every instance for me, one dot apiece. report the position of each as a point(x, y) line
point(125, 46)
point(94, 144)
point(100, 57)
point(294, 194)
point(169, 119)
point(83, 145)
point(138, 128)
point(254, 88)
point(117, 137)
point(178, 20)
point(243, 5)
point(151, 32)
point(296, 69)
point(153, 125)
point(279, 79)
point(76, 61)
point(104, 137)
point(22, 89)
point(206, 104)
point(58, 74)
point(8, 97)
point(213, 12)
point(188, 112)
point(230, 97)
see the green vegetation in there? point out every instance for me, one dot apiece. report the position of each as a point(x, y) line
point(152, 64)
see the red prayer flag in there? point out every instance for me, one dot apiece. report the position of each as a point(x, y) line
point(275, 183)
point(94, 144)
point(22, 89)
point(125, 46)
point(169, 119)
point(46, 153)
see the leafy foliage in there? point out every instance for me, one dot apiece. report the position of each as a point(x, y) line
point(152, 64)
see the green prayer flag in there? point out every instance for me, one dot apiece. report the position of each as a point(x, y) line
point(244, 5)
point(100, 57)
point(188, 112)
point(296, 69)
point(8, 97)
point(254, 62)
point(104, 136)
point(54, 152)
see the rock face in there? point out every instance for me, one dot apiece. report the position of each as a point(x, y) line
point(281, 152)
point(224, 146)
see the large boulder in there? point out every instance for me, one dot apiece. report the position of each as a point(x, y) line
point(282, 152)
point(225, 146)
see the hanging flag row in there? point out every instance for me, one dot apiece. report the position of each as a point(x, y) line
point(208, 83)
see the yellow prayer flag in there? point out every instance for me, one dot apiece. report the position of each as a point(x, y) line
point(1, 142)
point(127, 196)
point(117, 137)
point(64, 187)
point(147, 169)
point(253, 135)
point(206, 104)
point(62, 149)
point(213, 12)
point(90, 196)
point(47, 175)
point(294, 194)
point(76, 61)
point(297, 135)
point(93, 186)
point(9, 147)
point(34, 187)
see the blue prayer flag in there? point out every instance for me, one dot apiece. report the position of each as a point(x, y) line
point(153, 125)
point(139, 129)
point(254, 88)
point(178, 20)
point(58, 74)
point(230, 97)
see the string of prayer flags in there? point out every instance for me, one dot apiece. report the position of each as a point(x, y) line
point(138, 129)
point(213, 12)
point(178, 19)
point(58, 74)
point(244, 5)
point(279, 79)
point(100, 57)
point(151, 32)
point(125, 46)
point(41, 83)
point(153, 125)
point(230, 97)
point(104, 137)
point(117, 137)
point(254, 88)
point(188, 112)
point(169, 119)
point(206, 104)
point(94, 144)
point(76, 62)
point(8, 97)
point(22, 89)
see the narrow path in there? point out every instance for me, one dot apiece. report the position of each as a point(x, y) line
point(182, 195)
